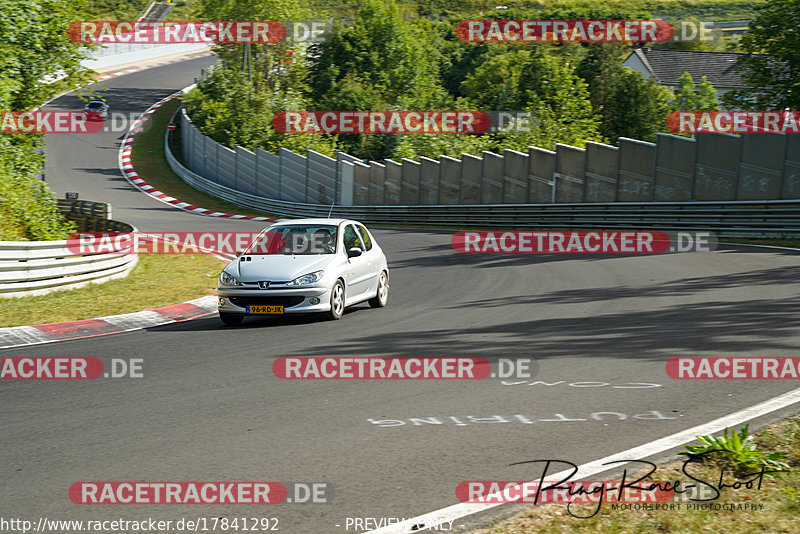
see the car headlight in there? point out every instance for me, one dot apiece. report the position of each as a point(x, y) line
point(228, 279)
point(307, 279)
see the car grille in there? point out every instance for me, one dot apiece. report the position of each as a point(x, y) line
point(287, 301)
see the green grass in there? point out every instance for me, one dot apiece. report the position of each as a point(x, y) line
point(157, 280)
point(151, 165)
point(778, 495)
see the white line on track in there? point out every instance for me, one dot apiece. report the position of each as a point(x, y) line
point(456, 511)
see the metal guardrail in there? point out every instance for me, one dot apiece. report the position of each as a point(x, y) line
point(84, 207)
point(38, 267)
point(773, 218)
point(91, 216)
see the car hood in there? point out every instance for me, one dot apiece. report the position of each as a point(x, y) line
point(278, 267)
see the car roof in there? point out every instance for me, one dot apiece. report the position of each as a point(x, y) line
point(332, 222)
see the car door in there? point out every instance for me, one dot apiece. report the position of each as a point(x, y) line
point(357, 274)
point(371, 252)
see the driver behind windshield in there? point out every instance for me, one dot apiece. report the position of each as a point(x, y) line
point(294, 242)
point(322, 242)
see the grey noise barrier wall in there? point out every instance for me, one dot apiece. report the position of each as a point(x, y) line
point(674, 169)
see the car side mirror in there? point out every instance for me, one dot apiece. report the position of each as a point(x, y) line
point(354, 252)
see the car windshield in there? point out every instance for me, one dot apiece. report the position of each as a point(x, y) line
point(98, 105)
point(302, 239)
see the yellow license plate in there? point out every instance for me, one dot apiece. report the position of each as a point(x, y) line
point(268, 310)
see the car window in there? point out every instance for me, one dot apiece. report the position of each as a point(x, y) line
point(365, 236)
point(351, 238)
point(295, 239)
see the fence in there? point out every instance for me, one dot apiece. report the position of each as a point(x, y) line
point(91, 216)
point(713, 167)
point(774, 218)
point(37, 267)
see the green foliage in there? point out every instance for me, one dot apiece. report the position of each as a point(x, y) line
point(229, 108)
point(706, 95)
point(28, 208)
point(702, 97)
point(558, 99)
point(772, 71)
point(495, 83)
point(115, 9)
point(33, 45)
point(395, 54)
point(630, 105)
point(381, 49)
point(736, 451)
point(443, 9)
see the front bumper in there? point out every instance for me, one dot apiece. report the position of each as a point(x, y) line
point(236, 300)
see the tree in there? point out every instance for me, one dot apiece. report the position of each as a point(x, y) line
point(706, 95)
point(558, 102)
point(601, 69)
point(232, 110)
point(494, 84)
point(685, 96)
point(380, 48)
point(637, 108)
point(34, 45)
point(276, 67)
point(702, 97)
point(772, 68)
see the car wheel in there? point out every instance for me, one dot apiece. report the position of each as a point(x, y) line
point(231, 319)
point(337, 301)
point(380, 299)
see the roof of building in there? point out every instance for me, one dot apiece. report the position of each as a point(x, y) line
point(668, 65)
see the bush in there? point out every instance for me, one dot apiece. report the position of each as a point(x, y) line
point(28, 209)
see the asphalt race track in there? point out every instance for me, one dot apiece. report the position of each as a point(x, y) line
point(210, 409)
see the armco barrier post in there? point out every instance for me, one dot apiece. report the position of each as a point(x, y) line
point(471, 171)
point(449, 180)
point(570, 169)
point(346, 184)
point(492, 178)
point(637, 160)
point(429, 181)
point(674, 168)
point(515, 177)
point(790, 186)
point(716, 166)
point(377, 178)
point(600, 175)
point(761, 166)
point(541, 177)
point(409, 185)
point(361, 177)
point(394, 177)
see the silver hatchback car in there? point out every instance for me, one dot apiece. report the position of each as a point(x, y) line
point(305, 266)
